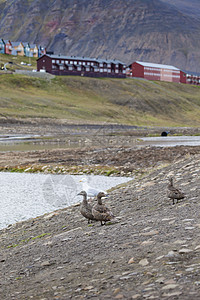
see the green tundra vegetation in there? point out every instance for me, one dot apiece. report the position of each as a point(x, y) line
point(127, 101)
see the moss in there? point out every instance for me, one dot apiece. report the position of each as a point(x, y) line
point(40, 236)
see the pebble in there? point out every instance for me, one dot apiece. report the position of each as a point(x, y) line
point(87, 288)
point(171, 254)
point(172, 294)
point(136, 296)
point(120, 296)
point(170, 286)
point(116, 291)
point(143, 262)
point(185, 251)
point(45, 263)
point(153, 232)
point(159, 257)
point(131, 261)
point(146, 243)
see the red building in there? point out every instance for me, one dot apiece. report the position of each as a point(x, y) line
point(192, 78)
point(8, 47)
point(151, 71)
point(82, 66)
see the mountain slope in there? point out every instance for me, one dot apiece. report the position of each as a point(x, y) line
point(149, 30)
point(125, 101)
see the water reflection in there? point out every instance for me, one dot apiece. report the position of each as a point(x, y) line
point(24, 196)
point(171, 141)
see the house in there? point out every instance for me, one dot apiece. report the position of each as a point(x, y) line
point(34, 50)
point(19, 48)
point(41, 51)
point(82, 66)
point(27, 50)
point(2, 46)
point(152, 71)
point(8, 47)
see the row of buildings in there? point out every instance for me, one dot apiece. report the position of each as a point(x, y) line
point(21, 48)
point(95, 67)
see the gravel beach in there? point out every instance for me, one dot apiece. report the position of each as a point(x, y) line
point(151, 250)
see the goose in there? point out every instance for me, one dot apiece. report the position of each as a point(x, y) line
point(86, 208)
point(174, 193)
point(91, 191)
point(100, 211)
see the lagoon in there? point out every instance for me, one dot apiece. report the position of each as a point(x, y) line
point(25, 196)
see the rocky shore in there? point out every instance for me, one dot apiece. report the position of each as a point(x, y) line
point(150, 251)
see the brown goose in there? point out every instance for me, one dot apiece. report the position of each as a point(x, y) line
point(100, 211)
point(174, 193)
point(86, 208)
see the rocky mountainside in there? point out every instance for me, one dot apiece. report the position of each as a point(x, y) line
point(148, 30)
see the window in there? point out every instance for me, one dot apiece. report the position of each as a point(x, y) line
point(75, 62)
point(84, 63)
point(62, 61)
point(87, 69)
point(57, 61)
point(70, 68)
point(53, 61)
point(92, 64)
point(101, 70)
point(100, 65)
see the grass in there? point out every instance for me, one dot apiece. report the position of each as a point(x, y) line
point(16, 62)
point(127, 101)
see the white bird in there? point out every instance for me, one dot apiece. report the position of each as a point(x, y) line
point(91, 191)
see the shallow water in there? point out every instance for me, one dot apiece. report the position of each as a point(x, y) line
point(171, 141)
point(25, 196)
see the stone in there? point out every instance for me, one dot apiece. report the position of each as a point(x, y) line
point(131, 261)
point(146, 243)
point(159, 257)
point(87, 288)
point(143, 262)
point(119, 296)
point(172, 294)
point(170, 254)
point(45, 263)
point(170, 286)
point(116, 291)
point(136, 296)
point(153, 232)
point(185, 251)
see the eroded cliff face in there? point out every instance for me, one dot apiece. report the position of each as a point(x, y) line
point(148, 30)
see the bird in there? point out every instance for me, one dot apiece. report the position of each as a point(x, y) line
point(91, 191)
point(174, 193)
point(100, 211)
point(86, 208)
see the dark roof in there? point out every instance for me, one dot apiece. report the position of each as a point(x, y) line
point(99, 60)
point(191, 73)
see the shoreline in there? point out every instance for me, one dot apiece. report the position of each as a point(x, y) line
point(147, 252)
point(150, 250)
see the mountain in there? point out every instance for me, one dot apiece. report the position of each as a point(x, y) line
point(149, 30)
point(189, 7)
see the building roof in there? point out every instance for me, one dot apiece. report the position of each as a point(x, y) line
point(99, 60)
point(191, 73)
point(160, 66)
